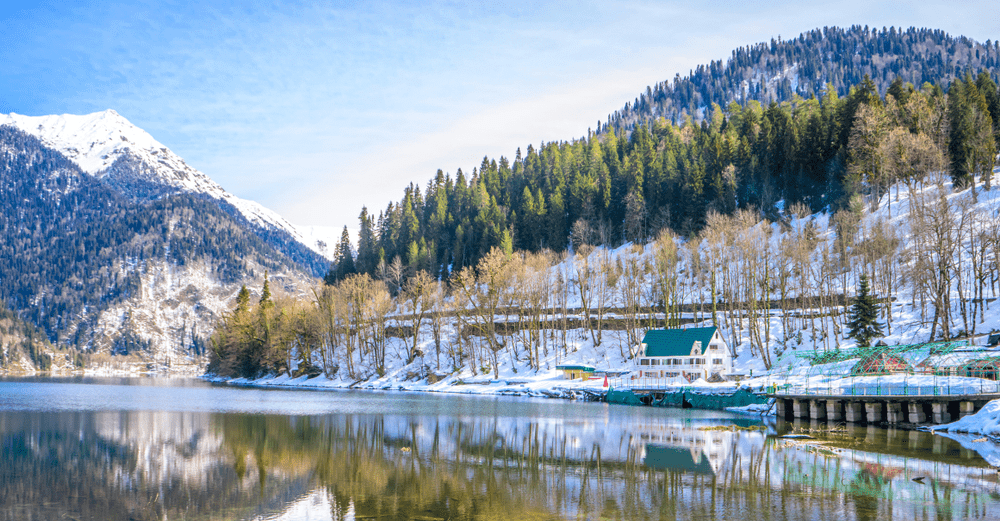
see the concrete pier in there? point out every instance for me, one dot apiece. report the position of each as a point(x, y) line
point(800, 408)
point(940, 412)
point(817, 409)
point(894, 412)
point(873, 411)
point(890, 409)
point(834, 410)
point(780, 408)
point(855, 412)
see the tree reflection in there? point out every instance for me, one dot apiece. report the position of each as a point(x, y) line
point(142, 465)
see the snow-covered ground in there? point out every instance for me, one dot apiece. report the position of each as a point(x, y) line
point(986, 421)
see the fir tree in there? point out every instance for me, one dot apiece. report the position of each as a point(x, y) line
point(863, 317)
point(243, 300)
point(343, 265)
point(265, 294)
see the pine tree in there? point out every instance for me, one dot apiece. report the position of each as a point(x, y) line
point(863, 318)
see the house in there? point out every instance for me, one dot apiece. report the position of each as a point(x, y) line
point(572, 372)
point(692, 353)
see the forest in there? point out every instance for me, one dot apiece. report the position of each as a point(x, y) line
point(780, 70)
point(617, 187)
point(759, 220)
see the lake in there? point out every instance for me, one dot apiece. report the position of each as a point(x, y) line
point(146, 448)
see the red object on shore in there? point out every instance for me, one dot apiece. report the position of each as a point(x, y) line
point(605, 380)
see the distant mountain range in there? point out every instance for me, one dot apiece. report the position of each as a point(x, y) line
point(128, 159)
point(782, 69)
point(111, 243)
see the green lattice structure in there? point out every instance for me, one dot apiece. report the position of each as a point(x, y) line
point(928, 368)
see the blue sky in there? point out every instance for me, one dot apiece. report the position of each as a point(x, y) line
point(314, 109)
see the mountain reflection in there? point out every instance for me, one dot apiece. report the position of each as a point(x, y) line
point(167, 465)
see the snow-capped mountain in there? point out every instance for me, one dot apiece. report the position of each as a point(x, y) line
point(111, 244)
point(108, 146)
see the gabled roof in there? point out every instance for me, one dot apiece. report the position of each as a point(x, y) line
point(676, 342)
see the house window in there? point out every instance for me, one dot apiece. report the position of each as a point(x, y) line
point(644, 361)
point(717, 361)
point(678, 361)
point(713, 347)
point(655, 362)
point(700, 361)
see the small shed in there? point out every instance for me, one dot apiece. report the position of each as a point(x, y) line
point(573, 372)
point(993, 340)
point(881, 363)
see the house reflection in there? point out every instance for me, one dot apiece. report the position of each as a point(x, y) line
point(679, 459)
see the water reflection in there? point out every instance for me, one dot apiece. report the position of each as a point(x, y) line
point(487, 460)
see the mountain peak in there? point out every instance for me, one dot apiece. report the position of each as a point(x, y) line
point(107, 145)
point(92, 141)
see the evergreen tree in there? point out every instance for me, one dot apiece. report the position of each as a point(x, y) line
point(265, 295)
point(243, 300)
point(863, 317)
point(343, 264)
point(367, 259)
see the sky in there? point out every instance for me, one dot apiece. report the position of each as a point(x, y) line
point(317, 108)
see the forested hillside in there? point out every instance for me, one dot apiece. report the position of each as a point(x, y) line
point(22, 345)
point(761, 221)
point(628, 186)
point(780, 70)
point(72, 247)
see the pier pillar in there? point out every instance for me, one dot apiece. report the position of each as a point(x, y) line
point(940, 412)
point(916, 410)
point(817, 409)
point(966, 408)
point(855, 412)
point(800, 408)
point(779, 408)
point(874, 411)
point(938, 445)
point(894, 412)
point(834, 410)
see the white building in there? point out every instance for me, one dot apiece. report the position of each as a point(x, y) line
point(687, 353)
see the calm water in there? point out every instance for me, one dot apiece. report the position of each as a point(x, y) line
point(183, 449)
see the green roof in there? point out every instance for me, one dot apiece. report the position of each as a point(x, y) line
point(574, 368)
point(676, 342)
point(676, 458)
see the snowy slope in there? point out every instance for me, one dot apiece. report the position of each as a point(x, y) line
point(96, 142)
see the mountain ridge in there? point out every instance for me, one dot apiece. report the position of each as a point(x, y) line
point(779, 70)
point(108, 146)
point(113, 272)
